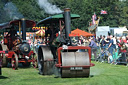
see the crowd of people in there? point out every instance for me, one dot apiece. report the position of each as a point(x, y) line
point(111, 48)
point(34, 44)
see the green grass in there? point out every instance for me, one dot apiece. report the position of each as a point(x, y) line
point(101, 74)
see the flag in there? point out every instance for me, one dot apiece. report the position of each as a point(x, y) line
point(94, 16)
point(93, 19)
point(103, 12)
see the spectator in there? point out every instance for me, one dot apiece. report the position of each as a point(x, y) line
point(114, 42)
point(123, 49)
point(110, 47)
point(99, 39)
point(115, 56)
point(110, 58)
point(86, 42)
point(74, 41)
point(102, 43)
point(93, 46)
point(107, 41)
point(81, 40)
point(103, 46)
point(38, 43)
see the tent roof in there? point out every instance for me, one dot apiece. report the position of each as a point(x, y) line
point(78, 32)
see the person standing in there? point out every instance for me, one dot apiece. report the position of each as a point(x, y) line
point(110, 46)
point(107, 41)
point(123, 49)
point(99, 39)
point(114, 42)
point(102, 43)
point(93, 46)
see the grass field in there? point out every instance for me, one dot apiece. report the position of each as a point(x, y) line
point(101, 74)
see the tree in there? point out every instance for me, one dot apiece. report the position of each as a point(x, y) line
point(3, 16)
point(29, 9)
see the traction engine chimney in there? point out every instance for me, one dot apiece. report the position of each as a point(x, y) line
point(23, 25)
point(67, 19)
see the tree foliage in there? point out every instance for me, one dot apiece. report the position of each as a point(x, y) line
point(117, 11)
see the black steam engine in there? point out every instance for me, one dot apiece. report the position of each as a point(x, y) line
point(59, 55)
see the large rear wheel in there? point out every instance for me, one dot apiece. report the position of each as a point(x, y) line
point(45, 61)
point(4, 60)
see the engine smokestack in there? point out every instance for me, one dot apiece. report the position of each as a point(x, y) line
point(23, 26)
point(67, 19)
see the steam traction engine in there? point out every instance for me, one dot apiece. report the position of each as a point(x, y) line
point(59, 51)
point(15, 48)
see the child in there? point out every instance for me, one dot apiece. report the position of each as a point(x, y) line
point(115, 56)
point(110, 58)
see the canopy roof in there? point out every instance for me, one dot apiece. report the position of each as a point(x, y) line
point(56, 18)
point(78, 32)
point(29, 23)
point(4, 25)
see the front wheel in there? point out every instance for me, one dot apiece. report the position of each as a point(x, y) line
point(34, 61)
point(14, 62)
